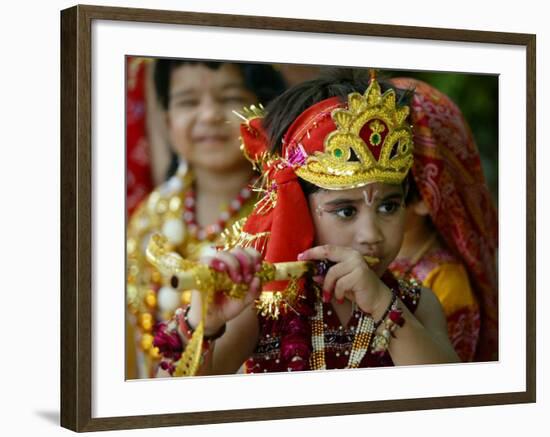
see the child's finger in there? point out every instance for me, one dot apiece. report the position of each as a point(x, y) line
point(246, 263)
point(343, 286)
point(232, 264)
point(335, 273)
point(328, 251)
point(327, 296)
point(218, 265)
point(256, 258)
point(350, 295)
point(253, 291)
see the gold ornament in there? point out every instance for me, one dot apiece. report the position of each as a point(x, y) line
point(146, 321)
point(347, 162)
point(146, 341)
point(151, 299)
point(154, 353)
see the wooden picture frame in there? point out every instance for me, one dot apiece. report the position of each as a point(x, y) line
point(77, 220)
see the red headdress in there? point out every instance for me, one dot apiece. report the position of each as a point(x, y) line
point(448, 173)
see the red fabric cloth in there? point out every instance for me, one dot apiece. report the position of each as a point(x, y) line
point(285, 214)
point(139, 180)
point(447, 170)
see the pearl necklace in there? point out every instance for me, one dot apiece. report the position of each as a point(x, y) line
point(361, 341)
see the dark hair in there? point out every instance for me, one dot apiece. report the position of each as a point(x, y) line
point(262, 79)
point(413, 194)
point(283, 110)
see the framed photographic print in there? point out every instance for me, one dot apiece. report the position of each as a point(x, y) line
point(115, 149)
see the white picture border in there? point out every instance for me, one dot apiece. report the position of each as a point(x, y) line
point(113, 396)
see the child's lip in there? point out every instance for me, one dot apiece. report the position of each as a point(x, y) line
point(373, 255)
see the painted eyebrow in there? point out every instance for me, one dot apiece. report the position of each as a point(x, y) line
point(348, 201)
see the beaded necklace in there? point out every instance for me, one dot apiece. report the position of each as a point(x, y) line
point(211, 231)
point(364, 334)
point(361, 342)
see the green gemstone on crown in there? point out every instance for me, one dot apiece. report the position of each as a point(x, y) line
point(338, 153)
point(375, 139)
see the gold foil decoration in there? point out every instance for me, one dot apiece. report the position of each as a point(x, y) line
point(335, 169)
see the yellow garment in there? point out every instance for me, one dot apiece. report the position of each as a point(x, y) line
point(451, 285)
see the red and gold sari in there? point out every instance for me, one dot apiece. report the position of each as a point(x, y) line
point(448, 173)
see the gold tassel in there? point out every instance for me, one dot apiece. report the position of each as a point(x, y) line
point(236, 237)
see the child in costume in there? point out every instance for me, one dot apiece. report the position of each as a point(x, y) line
point(208, 193)
point(334, 189)
point(451, 236)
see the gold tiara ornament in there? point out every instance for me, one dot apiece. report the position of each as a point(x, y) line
point(372, 143)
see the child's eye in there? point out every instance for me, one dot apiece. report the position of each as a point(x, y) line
point(346, 212)
point(389, 207)
point(233, 100)
point(186, 103)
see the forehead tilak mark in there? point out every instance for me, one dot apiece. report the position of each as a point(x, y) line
point(369, 194)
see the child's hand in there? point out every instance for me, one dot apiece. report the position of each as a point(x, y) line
point(241, 266)
point(350, 278)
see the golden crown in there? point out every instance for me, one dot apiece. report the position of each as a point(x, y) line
point(372, 143)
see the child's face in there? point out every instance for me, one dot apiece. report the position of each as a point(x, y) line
point(369, 219)
point(202, 128)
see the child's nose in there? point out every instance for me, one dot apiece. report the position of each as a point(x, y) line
point(210, 110)
point(368, 231)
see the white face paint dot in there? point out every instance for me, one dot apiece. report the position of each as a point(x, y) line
point(319, 210)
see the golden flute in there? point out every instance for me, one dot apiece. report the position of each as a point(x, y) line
point(187, 275)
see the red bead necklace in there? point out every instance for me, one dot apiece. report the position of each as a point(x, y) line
point(211, 231)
